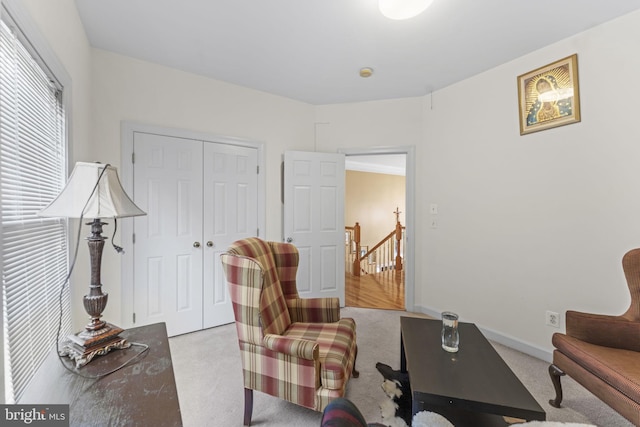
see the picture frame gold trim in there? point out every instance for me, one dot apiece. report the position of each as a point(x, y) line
point(549, 96)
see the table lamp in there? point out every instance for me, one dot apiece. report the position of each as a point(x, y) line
point(93, 191)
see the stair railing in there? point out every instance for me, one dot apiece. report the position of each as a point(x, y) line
point(385, 256)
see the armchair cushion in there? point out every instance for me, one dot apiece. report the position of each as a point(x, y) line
point(617, 368)
point(336, 343)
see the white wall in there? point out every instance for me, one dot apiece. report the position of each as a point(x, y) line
point(526, 223)
point(537, 222)
point(126, 89)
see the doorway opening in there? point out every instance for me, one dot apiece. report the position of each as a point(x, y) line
point(379, 203)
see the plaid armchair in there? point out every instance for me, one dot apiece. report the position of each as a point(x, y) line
point(295, 349)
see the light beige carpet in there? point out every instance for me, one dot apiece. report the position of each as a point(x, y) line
point(209, 379)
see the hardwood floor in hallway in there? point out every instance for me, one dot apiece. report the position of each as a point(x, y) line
point(379, 290)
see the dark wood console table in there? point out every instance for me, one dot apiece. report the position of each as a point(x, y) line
point(140, 394)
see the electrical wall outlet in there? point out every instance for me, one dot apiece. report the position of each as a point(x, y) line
point(553, 319)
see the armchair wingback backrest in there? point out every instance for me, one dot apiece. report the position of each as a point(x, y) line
point(258, 301)
point(286, 257)
point(631, 267)
point(244, 279)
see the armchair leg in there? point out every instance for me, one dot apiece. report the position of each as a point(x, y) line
point(248, 406)
point(555, 373)
point(355, 373)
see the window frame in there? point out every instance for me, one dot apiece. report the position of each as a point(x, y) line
point(15, 14)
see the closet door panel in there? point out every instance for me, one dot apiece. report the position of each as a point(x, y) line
point(168, 249)
point(230, 214)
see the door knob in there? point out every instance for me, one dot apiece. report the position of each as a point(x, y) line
point(196, 244)
point(289, 240)
point(210, 244)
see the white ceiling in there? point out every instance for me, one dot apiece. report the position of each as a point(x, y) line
point(312, 50)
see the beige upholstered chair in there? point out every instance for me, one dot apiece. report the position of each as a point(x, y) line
point(296, 349)
point(603, 352)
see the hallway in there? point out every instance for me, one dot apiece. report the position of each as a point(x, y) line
point(377, 290)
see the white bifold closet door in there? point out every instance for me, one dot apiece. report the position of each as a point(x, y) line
point(200, 196)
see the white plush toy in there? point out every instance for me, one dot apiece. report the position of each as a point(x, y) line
point(430, 419)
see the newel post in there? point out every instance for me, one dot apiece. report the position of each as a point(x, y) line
point(398, 240)
point(356, 239)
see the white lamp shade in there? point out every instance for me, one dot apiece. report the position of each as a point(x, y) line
point(78, 198)
point(403, 9)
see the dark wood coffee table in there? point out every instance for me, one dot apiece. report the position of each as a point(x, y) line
point(473, 387)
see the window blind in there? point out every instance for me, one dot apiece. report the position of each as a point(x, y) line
point(34, 250)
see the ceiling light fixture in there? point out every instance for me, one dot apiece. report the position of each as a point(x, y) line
point(366, 72)
point(402, 9)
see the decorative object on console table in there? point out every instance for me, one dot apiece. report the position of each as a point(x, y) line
point(93, 191)
point(549, 96)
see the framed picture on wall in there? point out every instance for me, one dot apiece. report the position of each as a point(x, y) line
point(549, 96)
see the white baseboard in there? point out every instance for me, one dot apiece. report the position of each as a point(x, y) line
point(500, 338)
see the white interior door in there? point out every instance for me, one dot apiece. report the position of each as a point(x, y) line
point(314, 220)
point(168, 251)
point(230, 214)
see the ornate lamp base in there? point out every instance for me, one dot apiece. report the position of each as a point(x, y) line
point(85, 345)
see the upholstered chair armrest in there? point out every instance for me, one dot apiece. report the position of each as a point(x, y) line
point(296, 347)
point(314, 310)
point(608, 331)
